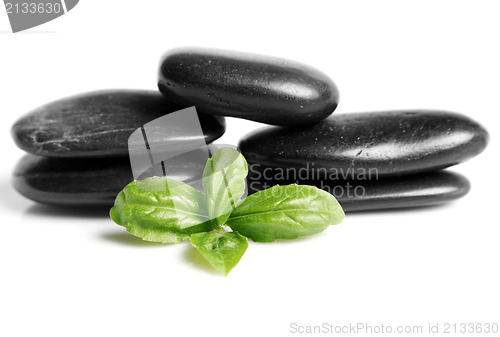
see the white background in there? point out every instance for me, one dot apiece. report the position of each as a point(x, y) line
point(79, 274)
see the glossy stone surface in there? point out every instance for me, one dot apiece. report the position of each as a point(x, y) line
point(82, 181)
point(392, 143)
point(260, 88)
point(98, 124)
point(418, 190)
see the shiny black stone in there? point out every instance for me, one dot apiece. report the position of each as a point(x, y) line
point(391, 143)
point(83, 181)
point(418, 190)
point(260, 88)
point(98, 124)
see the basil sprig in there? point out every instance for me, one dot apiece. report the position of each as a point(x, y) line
point(168, 211)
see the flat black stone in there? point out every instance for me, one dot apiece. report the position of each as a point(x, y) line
point(260, 88)
point(418, 190)
point(97, 181)
point(82, 181)
point(98, 124)
point(392, 143)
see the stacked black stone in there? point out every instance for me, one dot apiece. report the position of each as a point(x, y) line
point(375, 160)
point(78, 146)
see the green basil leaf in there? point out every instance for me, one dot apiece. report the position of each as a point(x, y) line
point(224, 183)
point(285, 212)
point(161, 210)
point(223, 250)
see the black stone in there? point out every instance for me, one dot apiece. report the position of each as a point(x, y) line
point(391, 143)
point(418, 190)
point(260, 88)
point(97, 181)
point(83, 181)
point(98, 124)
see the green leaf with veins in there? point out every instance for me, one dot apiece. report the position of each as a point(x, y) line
point(223, 250)
point(161, 210)
point(285, 212)
point(224, 183)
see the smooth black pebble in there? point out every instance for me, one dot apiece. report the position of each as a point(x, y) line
point(98, 124)
point(83, 181)
point(418, 190)
point(260, 88)
point(390, 143)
